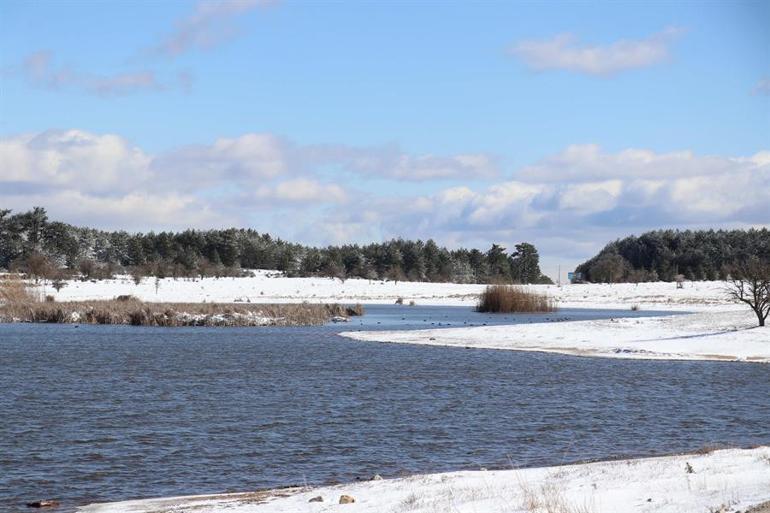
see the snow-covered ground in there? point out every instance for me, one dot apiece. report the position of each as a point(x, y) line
point(717, 335)
point(722, 481)
point(270, 287)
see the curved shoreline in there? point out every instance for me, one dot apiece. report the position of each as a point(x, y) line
point(722, 480)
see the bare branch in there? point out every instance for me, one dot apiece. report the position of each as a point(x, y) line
point(750, 284)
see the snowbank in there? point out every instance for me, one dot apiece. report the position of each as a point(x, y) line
point(716, 335)
point(722, 481)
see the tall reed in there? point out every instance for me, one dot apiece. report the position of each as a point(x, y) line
point(512, 299)
point(15, 296)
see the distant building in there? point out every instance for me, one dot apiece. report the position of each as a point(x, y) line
point(574, 277)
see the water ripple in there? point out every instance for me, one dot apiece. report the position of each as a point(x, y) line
point(109, 412)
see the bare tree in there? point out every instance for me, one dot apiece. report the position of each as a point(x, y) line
point(138, 273)
point(609, 268)
point(750, 284)
point(87, 268)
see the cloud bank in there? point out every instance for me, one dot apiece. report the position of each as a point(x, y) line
point(571, 202)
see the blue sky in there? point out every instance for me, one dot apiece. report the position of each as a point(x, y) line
point(565, 124)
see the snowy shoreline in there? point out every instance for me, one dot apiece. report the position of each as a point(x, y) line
point(715, 335)
point(727, 480)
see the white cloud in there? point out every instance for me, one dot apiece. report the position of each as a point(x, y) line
point(588, 198)
point(565, 52)
point(134, 211)
point(390, 162)
point(587, 162)
point(239, 159)
point(37, 67)
point(762, 87)
point(429, 167)
point(73, 159)
point(210, 24)
point(40, 70)
point(500, 207)
point(508, 203)
point(303, 190)
point(122, 83)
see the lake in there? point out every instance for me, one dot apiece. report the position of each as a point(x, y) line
point(104, 413)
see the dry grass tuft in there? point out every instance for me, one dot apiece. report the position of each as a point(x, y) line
point(410, 502)
point(512, 299)
point(549, 499)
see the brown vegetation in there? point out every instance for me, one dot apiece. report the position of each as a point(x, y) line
point(14, 290)
point(17, 305)
point(351, 311)
point(512, 299)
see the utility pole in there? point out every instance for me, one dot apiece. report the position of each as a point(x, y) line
point(558, 280)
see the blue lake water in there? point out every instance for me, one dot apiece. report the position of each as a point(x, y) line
point(102, 413)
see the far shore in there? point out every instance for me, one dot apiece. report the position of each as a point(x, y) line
point(714, 328)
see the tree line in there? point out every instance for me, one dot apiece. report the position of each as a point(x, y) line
point(31, 243)
point(669, 255)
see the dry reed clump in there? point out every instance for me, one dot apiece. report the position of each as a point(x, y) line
point(512, 299)
point(14, 290)
point(15, 297)
point(131, 311)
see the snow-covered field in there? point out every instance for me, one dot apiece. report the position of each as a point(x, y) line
point(270, 287)
point(722, 481)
